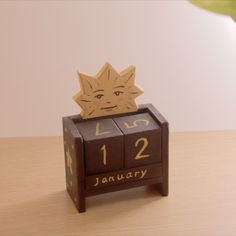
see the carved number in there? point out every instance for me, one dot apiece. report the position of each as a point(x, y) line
point(98, 132)
point(135, 123)
point(104, 154)
point(145, 144)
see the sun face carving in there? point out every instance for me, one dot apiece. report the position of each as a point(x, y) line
point(107, 93)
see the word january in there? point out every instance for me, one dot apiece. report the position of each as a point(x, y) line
point(121, 177)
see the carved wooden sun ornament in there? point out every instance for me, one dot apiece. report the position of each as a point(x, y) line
point(107, 93)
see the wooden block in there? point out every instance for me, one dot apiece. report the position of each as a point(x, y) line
point(103, 143)
point(142, 137)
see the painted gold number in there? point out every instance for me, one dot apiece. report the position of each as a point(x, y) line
point(97, 133)
point(140, 154)
point(104, 154)
point(135, 123)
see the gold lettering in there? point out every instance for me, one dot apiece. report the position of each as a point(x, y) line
point(136, 173)
point(97, 181)
point(104, 151)
point(104, 180)
point(120, 177)
point(145, 144)
point(97, 133)
point(135, 123)
point(143, 173)
point(111, 179)
point(129, 175)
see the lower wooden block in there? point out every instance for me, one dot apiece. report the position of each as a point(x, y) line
point(123, 176)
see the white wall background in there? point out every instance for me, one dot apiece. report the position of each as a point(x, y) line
point(185, 59)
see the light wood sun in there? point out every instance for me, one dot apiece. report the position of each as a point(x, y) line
point(107, 93)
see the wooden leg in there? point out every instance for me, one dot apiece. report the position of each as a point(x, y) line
point(163, 188)
point(81, 204)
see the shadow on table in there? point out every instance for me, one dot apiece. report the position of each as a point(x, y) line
point(145, 193)
point(55, 214)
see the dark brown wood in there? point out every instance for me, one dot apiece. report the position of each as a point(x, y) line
point(164, 185)
point(103, 146)
point(77, 132)
point(123, 176)
point(74, 163)
point(114, 188)
point(142, 139)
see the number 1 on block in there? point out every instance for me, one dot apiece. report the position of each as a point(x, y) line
point(104, 154)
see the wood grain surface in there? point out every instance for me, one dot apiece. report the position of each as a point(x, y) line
point(202, 199)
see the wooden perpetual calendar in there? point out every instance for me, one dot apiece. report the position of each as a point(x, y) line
point(113, 144)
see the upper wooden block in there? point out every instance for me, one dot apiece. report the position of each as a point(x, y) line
point(136, 123)
point(98, 129)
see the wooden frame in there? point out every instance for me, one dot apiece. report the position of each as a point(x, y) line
point(79, 185)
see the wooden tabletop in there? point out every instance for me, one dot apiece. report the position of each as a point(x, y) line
point(202, 199)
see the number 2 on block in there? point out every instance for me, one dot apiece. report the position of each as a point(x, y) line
point(104, 154)
point(145, 144)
